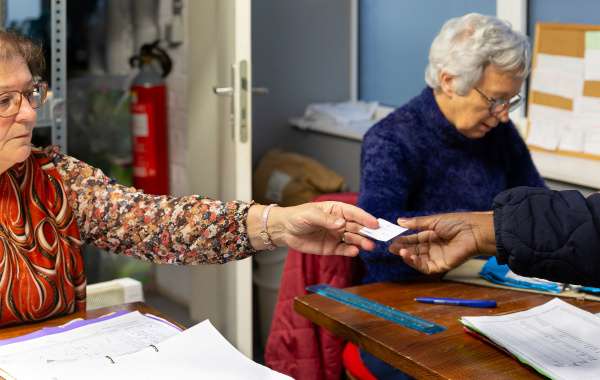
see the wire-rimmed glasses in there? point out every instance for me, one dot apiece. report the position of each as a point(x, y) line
point(10, 101)
point(498, 106)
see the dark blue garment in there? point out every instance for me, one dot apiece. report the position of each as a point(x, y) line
point(549, 234)
point(415, 162)
point(380, 369)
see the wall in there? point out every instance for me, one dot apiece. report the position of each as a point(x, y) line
point(394, 39)
point(174, 281)
point(572, 11)
point(301, 51)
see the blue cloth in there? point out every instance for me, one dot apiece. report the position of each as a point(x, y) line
point(496, 273)
point(380, 369)
point(415, 162)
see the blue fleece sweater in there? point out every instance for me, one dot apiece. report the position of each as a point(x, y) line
point(414, 162)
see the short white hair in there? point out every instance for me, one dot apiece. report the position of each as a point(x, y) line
point(466, 45)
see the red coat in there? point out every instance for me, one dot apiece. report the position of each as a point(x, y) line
point(296, 346)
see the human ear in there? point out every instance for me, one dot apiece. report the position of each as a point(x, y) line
point(447, 84)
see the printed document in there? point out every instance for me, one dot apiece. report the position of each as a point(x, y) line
point(557, 339)
point(131, 346)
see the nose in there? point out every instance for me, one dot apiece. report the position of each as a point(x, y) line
point(503, 116)
point(26, 112)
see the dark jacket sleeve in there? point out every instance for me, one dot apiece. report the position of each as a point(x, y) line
point(548, 234)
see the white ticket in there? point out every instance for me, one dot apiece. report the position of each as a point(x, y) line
point(385, 232)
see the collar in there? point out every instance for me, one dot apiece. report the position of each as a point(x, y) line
point(441, 126)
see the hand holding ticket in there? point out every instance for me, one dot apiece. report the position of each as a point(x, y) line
point(385, 232)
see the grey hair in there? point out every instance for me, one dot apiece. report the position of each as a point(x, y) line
point(466, 45)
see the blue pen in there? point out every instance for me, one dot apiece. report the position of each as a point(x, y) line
point(457, 301)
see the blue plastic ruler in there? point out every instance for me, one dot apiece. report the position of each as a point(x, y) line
point(375, 308)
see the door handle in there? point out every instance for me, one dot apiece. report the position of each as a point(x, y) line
point(223, 91)
point(260, 91)
point(228, 91)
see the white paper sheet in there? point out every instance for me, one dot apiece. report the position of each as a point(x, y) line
point(558, 75)
point(586, 105)
point(117, 336)
point(584, 126)
point(556, 338)
point(199, 352)
point(385, 232)
point(555, 82)
point(592, 56)
point(543, 113)
point(544, 134)
point(572, 140)
point(546, 125)
point(592, 141)
point(564, 63)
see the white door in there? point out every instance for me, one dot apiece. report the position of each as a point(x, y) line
point(220, 160)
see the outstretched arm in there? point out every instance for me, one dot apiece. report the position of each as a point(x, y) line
point(538, 232)
point(197, 230)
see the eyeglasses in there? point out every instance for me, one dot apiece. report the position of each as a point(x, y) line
point(500, 105)
point(10, 101)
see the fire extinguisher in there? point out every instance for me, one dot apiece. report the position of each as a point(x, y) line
point(149, 119)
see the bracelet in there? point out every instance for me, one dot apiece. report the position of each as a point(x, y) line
point(264, 234)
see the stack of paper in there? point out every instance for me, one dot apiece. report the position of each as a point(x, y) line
point(557, 339)
point(127, 346)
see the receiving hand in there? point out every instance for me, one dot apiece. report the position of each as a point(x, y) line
point(445, 240)
point(326, 228)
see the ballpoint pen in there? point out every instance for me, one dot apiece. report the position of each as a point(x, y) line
point(457, 301)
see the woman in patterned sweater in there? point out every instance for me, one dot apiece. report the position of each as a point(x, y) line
point(52, 203)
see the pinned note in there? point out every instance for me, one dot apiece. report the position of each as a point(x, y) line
point(385, 232)
point(592, 56)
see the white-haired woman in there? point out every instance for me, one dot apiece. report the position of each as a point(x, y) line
point(452, 147)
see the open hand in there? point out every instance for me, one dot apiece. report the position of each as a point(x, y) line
point(445, 241)
point(326, 228)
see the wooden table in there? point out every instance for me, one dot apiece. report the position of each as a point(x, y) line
point(10, 332)
point(451, 354)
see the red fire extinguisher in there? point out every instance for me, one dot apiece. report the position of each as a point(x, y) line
point(149, 120)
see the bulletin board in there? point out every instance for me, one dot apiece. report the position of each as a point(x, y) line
point(564, 91)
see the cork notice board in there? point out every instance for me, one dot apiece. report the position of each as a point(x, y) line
point(564, 91)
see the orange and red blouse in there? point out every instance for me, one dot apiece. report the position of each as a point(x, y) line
point(51, 204)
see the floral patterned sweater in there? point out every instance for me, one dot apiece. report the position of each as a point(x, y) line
point(52, 203)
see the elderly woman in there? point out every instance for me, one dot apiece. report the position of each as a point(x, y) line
point(452, 147)
point(52, 203)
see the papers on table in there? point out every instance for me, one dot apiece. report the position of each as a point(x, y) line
point(385, 232)
point(576, 129)
point(113, 335)
point(129, 346)
point(557, 339)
